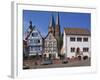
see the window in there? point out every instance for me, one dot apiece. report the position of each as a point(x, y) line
point(50, 42)
point(54, 45)
point(54, 49)
point(72, 49)
point(85, 49)
point(72, 39)
point(54, 42)
point(36, 41)
point(30, 41)
point(34, 34)
point(31, 48)
point(79, 39)
point(85, 39)
point(50, 37)
point(45, 44)
point(50, 45)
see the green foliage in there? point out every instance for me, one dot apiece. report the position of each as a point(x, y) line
point(61, 41)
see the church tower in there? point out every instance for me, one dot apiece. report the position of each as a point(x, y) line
point(58, 34)
point(57, 28)
point(52, 25)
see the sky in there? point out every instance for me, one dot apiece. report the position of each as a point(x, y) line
point(41, 20)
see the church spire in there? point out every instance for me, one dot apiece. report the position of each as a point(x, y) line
point(58, 33)
point(57, 27)
point(30, 27)
point(57, 19)
point(52, 25)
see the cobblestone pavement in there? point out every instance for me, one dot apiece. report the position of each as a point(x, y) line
point(58, 63)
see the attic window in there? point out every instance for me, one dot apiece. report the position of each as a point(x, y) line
point(49, 36)
point(34, 34)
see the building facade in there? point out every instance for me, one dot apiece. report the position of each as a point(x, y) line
point(54, 28)
point(34, 41)
point(76, 42)
point(50, 46)
point(51, 42)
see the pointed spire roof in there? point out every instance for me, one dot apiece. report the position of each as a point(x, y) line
point(29, 30)
point(30, 25)
point(52, 23)
point(57, 19)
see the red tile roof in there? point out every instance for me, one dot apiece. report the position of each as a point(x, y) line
point(76, 31)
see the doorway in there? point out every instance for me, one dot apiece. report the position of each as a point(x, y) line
point(78, 51)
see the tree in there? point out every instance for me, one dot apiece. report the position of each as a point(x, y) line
point(60, 43)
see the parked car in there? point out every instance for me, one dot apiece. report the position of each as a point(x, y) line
point(46, 62)
point(64, 61)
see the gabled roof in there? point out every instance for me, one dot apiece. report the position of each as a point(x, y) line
point(76, 31)
point(31, 32)
point(48, 35)
point(24, 44)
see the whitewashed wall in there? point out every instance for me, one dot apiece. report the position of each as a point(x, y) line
point(67, 44)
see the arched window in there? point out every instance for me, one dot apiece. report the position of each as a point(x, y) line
point(78, 50)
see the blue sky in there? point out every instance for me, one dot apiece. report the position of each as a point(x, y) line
point(41, 20)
